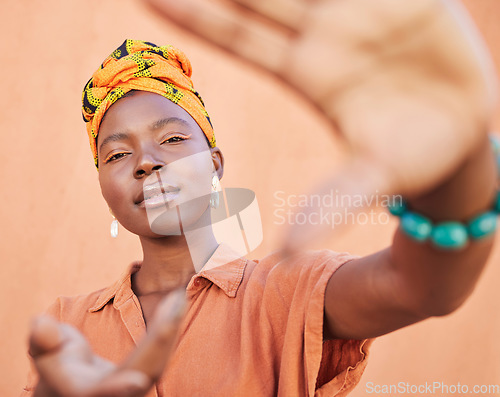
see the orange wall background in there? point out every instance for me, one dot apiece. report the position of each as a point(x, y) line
point(55, 225)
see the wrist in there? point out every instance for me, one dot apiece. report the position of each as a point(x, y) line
point(450, 221)
point(471, 190)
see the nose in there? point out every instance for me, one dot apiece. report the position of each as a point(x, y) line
point(147, 164)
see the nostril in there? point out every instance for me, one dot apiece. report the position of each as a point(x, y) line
point(147, 168)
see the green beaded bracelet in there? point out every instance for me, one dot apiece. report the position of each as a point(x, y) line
point(449, 235)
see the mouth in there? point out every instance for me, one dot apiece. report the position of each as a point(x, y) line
point(157, 195)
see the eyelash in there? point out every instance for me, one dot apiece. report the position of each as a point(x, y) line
point(180, 137)
point(115, 156)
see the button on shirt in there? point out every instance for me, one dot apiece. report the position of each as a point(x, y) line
point(252, 328)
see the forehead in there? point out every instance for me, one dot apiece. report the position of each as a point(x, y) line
point(140, 111)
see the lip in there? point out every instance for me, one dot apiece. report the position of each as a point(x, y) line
point(161, 200)
point(156, 195)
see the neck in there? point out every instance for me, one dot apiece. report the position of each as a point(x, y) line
point(170, 261)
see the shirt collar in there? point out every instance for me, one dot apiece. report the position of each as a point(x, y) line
point(225, 268)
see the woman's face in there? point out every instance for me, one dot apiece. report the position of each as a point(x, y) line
point(155, 165)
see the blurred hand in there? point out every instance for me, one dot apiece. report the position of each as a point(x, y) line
point(68, 367)
point(409, 83)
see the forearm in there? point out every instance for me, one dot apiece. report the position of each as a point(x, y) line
point(436, 281)
point(410, 281)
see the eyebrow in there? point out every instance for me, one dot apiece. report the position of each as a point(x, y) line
point(118, 136)
point(163, 122)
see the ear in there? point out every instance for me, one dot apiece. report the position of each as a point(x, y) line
point(218, 161)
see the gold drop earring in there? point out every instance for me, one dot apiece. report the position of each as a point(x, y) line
point(114, 225)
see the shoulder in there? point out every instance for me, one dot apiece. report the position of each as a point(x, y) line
point(73, 309)
point(301, 263)
point(68, 308)
point(303, 271)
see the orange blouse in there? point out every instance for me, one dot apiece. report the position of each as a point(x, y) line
point(252, 328)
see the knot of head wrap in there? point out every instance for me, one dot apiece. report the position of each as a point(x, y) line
point(139, 65)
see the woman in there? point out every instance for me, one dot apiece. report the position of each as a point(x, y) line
point(295, 325)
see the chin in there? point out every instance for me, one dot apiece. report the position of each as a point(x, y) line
point(175, 220)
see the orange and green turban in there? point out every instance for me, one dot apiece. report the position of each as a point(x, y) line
point(139, 65)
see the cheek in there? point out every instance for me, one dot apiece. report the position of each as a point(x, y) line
point(112, 192)
point(195, 173)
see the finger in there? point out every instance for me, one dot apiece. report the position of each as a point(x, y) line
point(45, 342)
point(45, 336)
point(124, 383)
point(153, 353)
point(288, 13)
point(231, 29)
point(63, 358)
point(337, 203)
point(482, 55)
point(42, 390)
point(68, 368)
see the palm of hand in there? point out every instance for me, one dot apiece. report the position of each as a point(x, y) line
point(409, 89)
point(68, 367)
point(408, 83)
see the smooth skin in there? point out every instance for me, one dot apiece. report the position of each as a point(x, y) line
point(411, 89)
point(139, 135)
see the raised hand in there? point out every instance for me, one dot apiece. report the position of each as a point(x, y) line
point(68, 367)
point(408, 83)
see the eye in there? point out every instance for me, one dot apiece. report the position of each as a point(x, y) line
point(114, 157)
point(175, 139)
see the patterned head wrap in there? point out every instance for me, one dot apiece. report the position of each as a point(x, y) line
point(139, 65)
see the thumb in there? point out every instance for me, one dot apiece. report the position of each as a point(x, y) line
point(123, 383)
point(45, 336)
point(335, 204)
